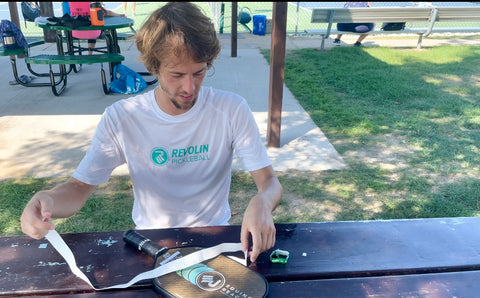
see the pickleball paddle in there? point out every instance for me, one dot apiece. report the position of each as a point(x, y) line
point(216, 277)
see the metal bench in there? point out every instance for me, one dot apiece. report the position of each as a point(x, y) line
point(63, 60)
point(427, 16)
point(464, 14)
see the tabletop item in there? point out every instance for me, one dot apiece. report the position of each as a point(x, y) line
point(279, 256)
point(96, 14)
point(217, 277)
point(66, 20)
point(174, 263)
point(8, 40)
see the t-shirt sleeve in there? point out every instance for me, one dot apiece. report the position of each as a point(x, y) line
point(247, 142)
point(103, 155)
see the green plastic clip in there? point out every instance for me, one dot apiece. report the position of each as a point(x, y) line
point(279, 256)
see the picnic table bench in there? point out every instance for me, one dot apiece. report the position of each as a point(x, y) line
point(58, 80)
point(62, 60)
point(427, 17)
point(438, 257)
point(22, 52)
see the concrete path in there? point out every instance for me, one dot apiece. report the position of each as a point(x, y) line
point(42, 135)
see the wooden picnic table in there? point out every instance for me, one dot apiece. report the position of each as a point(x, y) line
point(437, 257)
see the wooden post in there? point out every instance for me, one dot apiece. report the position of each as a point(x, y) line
point(277, 67)
point(46, 10)
point(233, 38)
point(14, 18)
point(12, 7)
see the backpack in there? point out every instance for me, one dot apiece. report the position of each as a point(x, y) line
point(30, 11)
point(11, 33)
point(393, 26)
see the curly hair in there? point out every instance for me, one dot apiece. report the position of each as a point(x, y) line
point(178, 28)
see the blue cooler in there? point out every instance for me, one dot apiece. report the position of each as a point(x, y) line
point(259, 24)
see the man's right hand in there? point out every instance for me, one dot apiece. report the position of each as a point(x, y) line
point(35, 219)
point(64, 200)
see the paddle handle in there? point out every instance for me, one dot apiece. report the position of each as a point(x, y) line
point(143, 244)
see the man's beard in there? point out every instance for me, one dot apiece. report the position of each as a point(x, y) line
point(175, 102)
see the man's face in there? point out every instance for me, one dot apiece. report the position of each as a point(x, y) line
point(180, 81)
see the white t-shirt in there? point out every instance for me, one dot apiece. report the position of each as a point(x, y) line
point(180, 166)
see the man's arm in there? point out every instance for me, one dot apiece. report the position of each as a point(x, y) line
point(258, 219)
point(62, 201)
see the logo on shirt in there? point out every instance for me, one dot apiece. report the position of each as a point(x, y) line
point(196, 153)
point(159, 156)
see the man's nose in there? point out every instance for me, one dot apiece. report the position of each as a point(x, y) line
point(189, 84)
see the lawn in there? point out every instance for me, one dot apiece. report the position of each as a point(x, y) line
point(406, 121)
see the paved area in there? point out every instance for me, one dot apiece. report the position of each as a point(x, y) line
point(42, 135)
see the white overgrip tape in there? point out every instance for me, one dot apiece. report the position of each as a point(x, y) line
point(191, 259)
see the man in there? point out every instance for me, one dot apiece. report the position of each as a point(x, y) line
point(177, 140)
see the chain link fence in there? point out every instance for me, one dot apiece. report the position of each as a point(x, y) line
point(298, 15)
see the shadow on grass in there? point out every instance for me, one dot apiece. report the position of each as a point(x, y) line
point(456, 199)
point(405, 121)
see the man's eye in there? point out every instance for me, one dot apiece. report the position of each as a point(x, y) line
point(200, 73)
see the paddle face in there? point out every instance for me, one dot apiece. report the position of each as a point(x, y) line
point(217, 277)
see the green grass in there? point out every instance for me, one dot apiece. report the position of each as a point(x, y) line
point(108, 209)
point(406, 121)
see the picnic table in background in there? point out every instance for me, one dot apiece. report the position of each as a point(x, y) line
point(72, 57)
